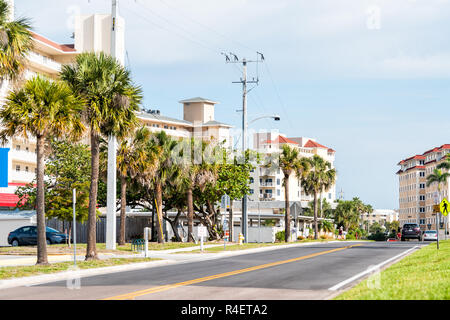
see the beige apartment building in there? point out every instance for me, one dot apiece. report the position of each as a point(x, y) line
point(416, 199)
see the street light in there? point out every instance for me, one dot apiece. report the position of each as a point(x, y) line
point(244, 199)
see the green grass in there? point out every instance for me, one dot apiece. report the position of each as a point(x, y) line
point(101, 248)
point(244, 246)
point(26, 271)
point(423, 275)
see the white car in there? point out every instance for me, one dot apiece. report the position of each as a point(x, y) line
point(430, 235)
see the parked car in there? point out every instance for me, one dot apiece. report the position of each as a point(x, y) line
point(430, 235)
point(28, 236)
point(411, 231)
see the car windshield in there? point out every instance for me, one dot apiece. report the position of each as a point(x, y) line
point(51, 230)
point(430, 231)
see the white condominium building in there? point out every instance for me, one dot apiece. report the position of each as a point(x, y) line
point(267, 184)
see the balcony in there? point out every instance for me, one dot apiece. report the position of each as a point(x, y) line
point(21, 176)
point(42, 62)
point(267, 184)
point(22, 155)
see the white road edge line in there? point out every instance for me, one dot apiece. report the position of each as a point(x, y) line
point(361, 274)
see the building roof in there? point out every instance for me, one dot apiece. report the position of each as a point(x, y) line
point(216, 123)
point(422, 156)
point(160, 118)
point(281, 140)
point(313, 144)
point(198, 99)
point(69, 48)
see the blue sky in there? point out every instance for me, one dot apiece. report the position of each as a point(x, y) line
point(370, 79)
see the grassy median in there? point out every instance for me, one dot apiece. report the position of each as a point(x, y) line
point(423, 275)
point(26, 271)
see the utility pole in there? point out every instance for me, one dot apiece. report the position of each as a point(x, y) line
point(245, 91)
point(112, 147)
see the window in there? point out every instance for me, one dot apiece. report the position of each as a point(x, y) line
point(422, 198)
point(18, 147)
point(27, 149)
point(252, 191)
point(278, 182)
point(278, 192)
point(422, 186)
point(17, 168)
point(251, 180)
point(422, 174)
point(26, 169)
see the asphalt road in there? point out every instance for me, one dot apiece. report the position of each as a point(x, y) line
point(306, 272)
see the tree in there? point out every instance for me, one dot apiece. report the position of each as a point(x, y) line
point(320, 177)
point(325, 210)
point(16, 41)
point(42, 109)
point(132, 158)
point(111, 100)
point(67, 168)
point(165, 171)
point(446, 164)
point(346, 215)
point(438, 177)
point(289, 162)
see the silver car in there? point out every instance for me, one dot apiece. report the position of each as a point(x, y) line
point(430, 235)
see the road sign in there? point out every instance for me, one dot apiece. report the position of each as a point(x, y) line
point(202, 231)
point(436, 208)
point(445, 207)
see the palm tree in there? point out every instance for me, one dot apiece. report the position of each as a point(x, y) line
point(111, 100)
point(438, 177)
point(446, 164)
point(289, 162)
point(346, 214)
point(320, 177)
point(132, 158)
point(16, 41)
point(42, 109)
point(166, 171)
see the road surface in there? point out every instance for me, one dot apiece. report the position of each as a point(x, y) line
point(306, 272)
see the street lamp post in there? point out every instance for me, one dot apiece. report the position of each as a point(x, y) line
point(245, 124)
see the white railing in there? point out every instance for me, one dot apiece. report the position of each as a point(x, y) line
point(45, 61)
point(22, 155)
point(22, 176)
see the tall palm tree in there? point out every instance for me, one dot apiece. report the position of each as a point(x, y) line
point(42, 109)
point(320, 177)
point(289, 162)
point(446, 164)
point(111, 100)
point(16, 41)
point(132, 158)
point(166, 171)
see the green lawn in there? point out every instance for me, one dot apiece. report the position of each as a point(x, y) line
point(101, 248)
point(423, 275)
point(25, 271)
point(244, 246)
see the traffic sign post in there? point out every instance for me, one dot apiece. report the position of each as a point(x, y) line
point(444, 208)
point(202, 232)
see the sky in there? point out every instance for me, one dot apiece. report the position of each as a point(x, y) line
point(368, 78)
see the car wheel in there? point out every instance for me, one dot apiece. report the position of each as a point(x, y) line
point(48, 242)
point(15, 243)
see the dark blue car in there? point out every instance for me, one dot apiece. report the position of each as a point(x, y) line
point(28, 236)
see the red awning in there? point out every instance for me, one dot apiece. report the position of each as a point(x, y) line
point(8, 199)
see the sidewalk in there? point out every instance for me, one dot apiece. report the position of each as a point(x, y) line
point(28, 260)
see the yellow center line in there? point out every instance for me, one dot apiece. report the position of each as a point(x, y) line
point(135, 294)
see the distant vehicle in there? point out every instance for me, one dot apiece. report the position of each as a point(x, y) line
point(28, 236)
point(411, 231)
point(430, 235)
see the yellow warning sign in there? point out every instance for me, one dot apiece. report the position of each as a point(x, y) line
point(445, 207)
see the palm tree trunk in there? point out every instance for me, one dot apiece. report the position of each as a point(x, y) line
point(159, 213)
point(40, 205)
point(315, 216)
point(230, 221)
point(287, 217)
point(91, 250)
point(123, 206)
point(190, 205)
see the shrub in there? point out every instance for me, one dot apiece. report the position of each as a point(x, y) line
point(379, 236)
point(279, 236)
point(323, 237)
point(300, 238)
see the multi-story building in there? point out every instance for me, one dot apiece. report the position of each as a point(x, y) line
point(380, 216)
point(416, 199)
point(267, 184)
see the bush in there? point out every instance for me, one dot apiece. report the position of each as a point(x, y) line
point(300, 238)
point(279, 236)
point(379, 236)
point(323, 237)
